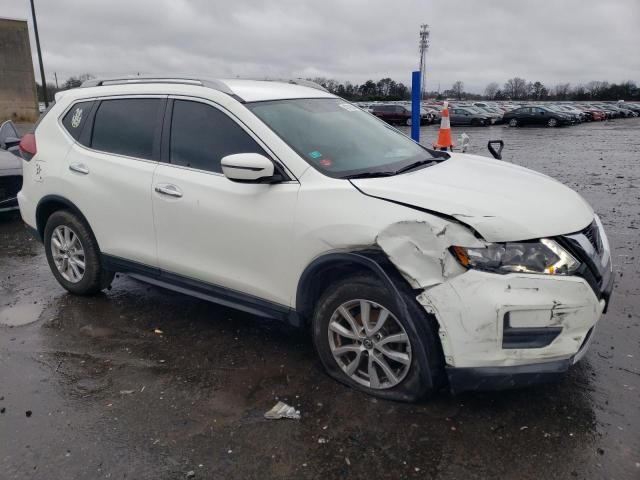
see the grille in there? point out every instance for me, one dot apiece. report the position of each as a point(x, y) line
point(9, 187)
point(592, 232)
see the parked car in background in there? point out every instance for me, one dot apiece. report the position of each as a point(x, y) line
point(609, 112)
point(590, 114)
point(10, 166)
point(579, 115)
point(537, 115)
point(434, 110)
point(492, 110)
point(398, 114)
point(469, 116)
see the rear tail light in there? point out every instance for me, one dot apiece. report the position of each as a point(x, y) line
point(28, 146)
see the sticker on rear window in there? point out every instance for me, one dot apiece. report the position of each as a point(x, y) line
point(315, 154)
point(348, 107)
point(77, 118)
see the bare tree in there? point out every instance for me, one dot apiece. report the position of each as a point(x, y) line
point(516, 88)
point(538, 91)
point(491, 90)
point(562, 90)
point(75, 82)
point(597, 88)
point(458, 89)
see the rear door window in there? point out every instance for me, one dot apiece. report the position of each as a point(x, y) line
point(202, 135)
point(75, 119)
point(128, 127)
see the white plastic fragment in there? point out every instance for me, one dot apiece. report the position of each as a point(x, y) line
point(282, 410)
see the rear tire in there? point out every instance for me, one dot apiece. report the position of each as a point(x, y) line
point(404, 370)
point(513, 122)
point(552, 122)
point(408, 122)
point(73, 254)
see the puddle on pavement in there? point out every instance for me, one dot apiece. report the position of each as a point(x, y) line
point(20, 314)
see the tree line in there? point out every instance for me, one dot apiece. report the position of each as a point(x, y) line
point(515, 88)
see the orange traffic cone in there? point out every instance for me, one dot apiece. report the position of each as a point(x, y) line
point(444, 141)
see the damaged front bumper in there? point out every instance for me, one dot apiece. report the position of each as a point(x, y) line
point(517, 376)
point(516, 330)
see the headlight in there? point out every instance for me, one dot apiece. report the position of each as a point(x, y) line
point(544, 256)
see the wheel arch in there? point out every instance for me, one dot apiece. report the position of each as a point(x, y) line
point(50, 204)
point(327, 268)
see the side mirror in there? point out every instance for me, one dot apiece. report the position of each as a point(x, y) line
point(248, 167)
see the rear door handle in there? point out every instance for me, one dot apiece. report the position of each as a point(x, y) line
point(79, 168)
point(168, 189)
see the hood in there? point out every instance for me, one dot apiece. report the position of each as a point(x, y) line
point(501, 201)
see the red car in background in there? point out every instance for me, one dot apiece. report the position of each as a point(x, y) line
point(595, 115)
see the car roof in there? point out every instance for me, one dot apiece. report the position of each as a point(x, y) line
point(242, 90)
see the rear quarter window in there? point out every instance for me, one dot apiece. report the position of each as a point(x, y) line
point(128, 126)
point(75, 119)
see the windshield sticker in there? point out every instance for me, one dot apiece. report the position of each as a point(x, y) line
point(348, 107)
point(77, 118)
point(315, 154)
point(326, 162)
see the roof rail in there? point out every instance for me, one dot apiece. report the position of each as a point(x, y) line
point(303, 83)
point(295, 81)
point(209, 83)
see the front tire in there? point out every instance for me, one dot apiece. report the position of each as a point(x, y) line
point(552, 122)
point(513, 122)
point(73, 254)
point(364, 341)
point(408, 122)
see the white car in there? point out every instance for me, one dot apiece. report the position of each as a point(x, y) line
point(412, 268)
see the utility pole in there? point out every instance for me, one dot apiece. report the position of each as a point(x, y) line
point(424, 46)
point(55, 74)
point(35, 31)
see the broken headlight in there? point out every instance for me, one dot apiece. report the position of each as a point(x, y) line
point(542, 256)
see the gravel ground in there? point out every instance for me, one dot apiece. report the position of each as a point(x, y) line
point(89, 390)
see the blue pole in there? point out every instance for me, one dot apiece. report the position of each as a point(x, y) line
point(415, 106)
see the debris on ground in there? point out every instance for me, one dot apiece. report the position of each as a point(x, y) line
point(282, 410)
point(126, 392)
point(158, 331)
point(191, 474)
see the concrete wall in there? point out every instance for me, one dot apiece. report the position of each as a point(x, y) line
point(18, 100)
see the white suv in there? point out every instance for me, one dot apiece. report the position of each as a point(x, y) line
point(411, 267)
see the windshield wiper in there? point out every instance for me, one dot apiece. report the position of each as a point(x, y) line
point(417, 164)
point(370, 175)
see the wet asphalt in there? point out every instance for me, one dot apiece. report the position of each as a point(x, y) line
point(140, 382)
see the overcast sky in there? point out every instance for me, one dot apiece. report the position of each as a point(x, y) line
point(476, 41)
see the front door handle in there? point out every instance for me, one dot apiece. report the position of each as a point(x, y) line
point(79, 168)
point(168, 189)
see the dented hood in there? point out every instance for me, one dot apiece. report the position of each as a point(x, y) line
point(502, 201)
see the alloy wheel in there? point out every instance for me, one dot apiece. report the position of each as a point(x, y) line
point(552, 122)
point(513, 122)
point(68, 253)
point(369, 344)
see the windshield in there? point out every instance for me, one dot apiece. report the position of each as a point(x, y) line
point(339, 139)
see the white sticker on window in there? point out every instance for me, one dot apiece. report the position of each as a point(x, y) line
point(349, 107)
point(77, 118)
